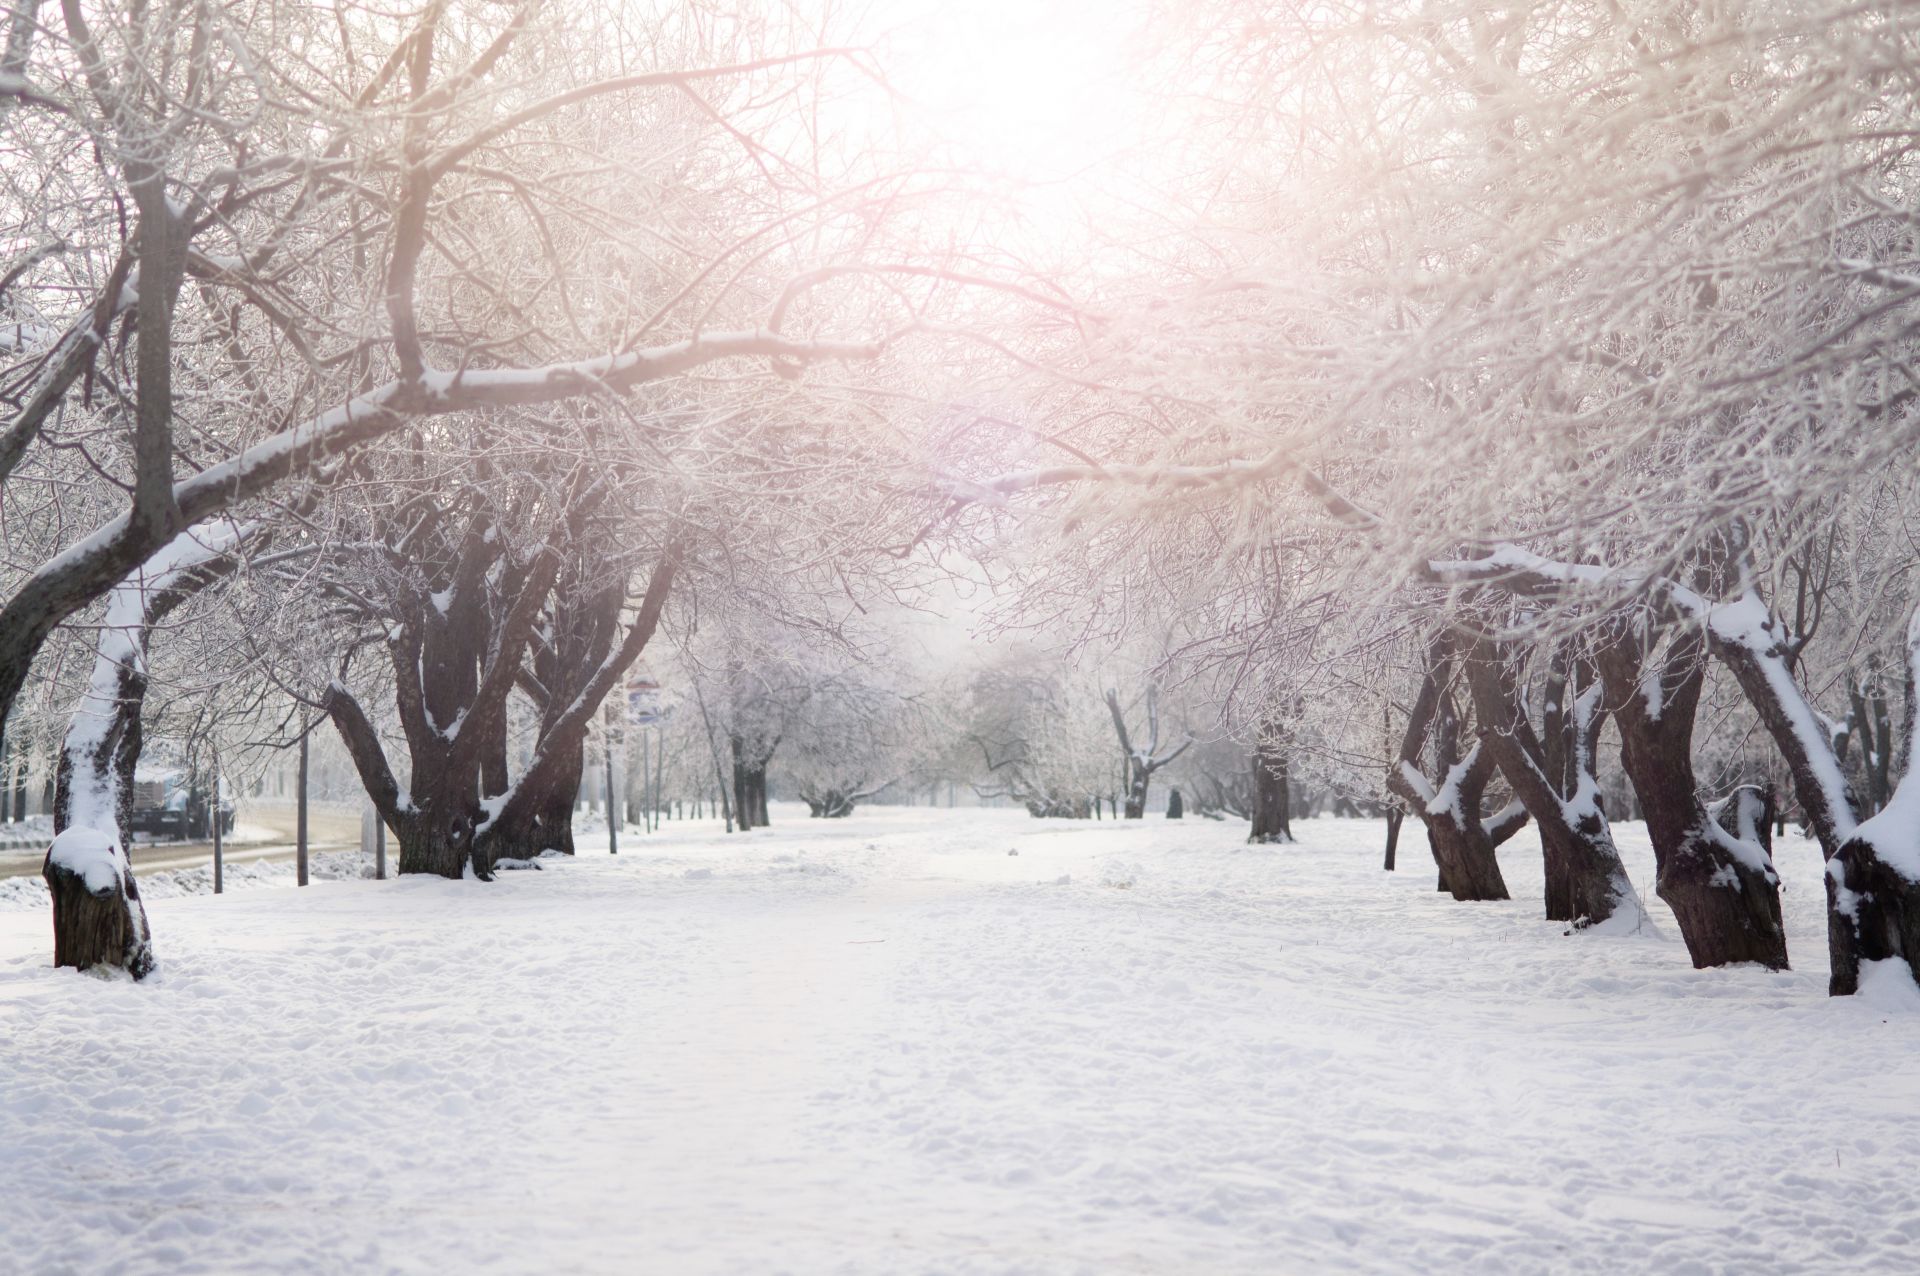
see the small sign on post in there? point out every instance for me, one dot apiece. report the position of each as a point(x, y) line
point(643, 702)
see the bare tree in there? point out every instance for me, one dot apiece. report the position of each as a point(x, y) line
point(1144, 759)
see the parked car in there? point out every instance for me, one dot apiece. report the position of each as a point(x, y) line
point(169, 807)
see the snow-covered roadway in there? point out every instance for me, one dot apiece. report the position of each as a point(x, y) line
point(885, 1045)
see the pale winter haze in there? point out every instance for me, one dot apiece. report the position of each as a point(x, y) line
point(1173, 637)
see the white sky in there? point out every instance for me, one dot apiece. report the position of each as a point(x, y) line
point(1030, 89)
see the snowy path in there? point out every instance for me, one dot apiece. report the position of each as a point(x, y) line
point(884, 1045)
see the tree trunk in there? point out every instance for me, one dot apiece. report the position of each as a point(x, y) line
point(1720, 884)
point(1463, 850)
point(1873, 907)
point(1138, 777)
point(439, 847)
point(833, 804)
point(1395, 814)
point(1753, 654)
point(434, 830)
point(749, 790)
point(1462, 842)
point(742, 800)
point(1586, 883)
point(553, 819)
point(98, 919)
point(547, 824)
point(1873, 890)
point(1272, 796)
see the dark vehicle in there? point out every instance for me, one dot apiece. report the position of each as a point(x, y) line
point(168, 807)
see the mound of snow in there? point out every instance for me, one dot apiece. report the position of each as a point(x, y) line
point(91, 855)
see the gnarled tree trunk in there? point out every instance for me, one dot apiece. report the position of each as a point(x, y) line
point(542, 799)
point(1873, 878)
point(1586, 883)
point(1722, 886)
point(456, 654)
point(1742, 635)
point(461, 647)
point(1462, 841)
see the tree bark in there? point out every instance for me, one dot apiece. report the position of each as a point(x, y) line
point(1272, 796)
point(1753, 653)
point(749, 787)
point(1589, 884)
point(1139, 776)
point(1873, 888)
point(98, 928)
point(98, 918)
point(1722, 887)
point(1461, 840)
point(547, 824)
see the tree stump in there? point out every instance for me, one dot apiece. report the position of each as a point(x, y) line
point(98, 919)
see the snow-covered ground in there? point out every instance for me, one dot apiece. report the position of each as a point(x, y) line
point(885, 1045)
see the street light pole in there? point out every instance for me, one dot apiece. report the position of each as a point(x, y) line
point(612, 803)
point(219, 867)
point(300, 815)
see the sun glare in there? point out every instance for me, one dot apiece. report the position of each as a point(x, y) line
point(1032, 91)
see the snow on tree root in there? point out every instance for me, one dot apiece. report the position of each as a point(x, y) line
point(99, 920)
point(1873, 890)
point(1873, 879)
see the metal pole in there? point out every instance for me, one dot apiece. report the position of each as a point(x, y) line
point(379, 847)
point(646, 782)
point(300, 816)
point(719, 776)
point(613, 815)
point(659, 759)
point(219, 866)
